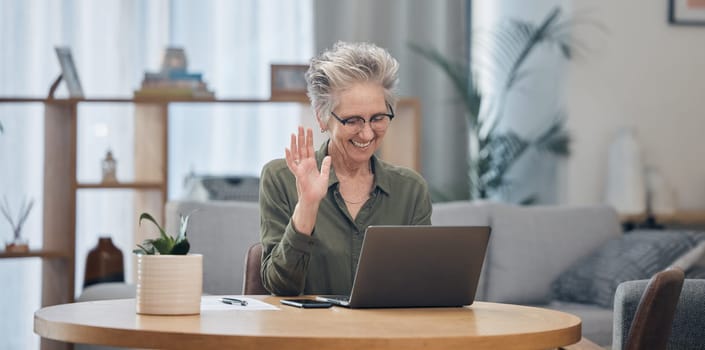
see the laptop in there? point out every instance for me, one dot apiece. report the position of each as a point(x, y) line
point(417, 266)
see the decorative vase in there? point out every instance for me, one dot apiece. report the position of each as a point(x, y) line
point(169, 284)
point(626, 188)
point(104, 263)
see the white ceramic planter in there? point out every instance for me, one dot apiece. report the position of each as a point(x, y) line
point(169, 284)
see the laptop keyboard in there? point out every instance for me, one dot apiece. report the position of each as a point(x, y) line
point(338, 297)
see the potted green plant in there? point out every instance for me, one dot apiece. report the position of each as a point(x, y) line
point(169, 279)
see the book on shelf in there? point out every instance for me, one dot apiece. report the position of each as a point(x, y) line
point(172, 76)
point(178, 92)
point(174, 79)
point(157, 84)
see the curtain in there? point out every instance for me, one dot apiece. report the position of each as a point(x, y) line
point(114, 42)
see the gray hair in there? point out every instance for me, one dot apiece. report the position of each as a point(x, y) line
point(344, 65)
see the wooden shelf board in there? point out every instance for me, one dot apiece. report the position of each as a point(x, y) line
point(121, 185)
point(145, 100)
point(46, 254)
point(680, 217)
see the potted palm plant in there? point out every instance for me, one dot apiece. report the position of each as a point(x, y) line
point(169, 279)
point(493, 152)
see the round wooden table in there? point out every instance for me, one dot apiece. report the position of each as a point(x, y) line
point(479, 326)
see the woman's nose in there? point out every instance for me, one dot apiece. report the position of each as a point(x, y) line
point(366, 132)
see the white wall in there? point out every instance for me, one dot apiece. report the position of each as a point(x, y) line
point(645, 74)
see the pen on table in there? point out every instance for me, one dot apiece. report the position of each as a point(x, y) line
point(233, 301)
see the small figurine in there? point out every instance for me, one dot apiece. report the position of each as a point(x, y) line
point(109, 168)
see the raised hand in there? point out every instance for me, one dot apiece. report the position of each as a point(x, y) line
point(311, 184)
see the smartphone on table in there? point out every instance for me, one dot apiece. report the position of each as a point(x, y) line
point(306, 303)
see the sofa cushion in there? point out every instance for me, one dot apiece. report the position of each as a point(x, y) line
point(530, 246)
point(461, 213)
point(107, 290)
point(634, 256)
point(696, 272)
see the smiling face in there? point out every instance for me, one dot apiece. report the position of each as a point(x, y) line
point(356, 147)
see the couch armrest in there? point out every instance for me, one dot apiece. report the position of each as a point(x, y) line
point(688, 326)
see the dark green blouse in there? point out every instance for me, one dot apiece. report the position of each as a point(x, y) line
point(325, 262)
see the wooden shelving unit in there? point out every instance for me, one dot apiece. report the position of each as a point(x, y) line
point(150, 184)
point(45, 254)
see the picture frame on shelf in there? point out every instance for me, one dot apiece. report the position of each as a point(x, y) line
point(69, 73)
point(686, 12)
point(288, 82)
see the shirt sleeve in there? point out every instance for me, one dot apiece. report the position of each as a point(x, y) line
point(286, 253)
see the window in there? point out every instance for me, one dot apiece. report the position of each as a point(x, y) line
point(113, 43)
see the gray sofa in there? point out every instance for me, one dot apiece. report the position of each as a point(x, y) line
point(531, 246)
point(531, 249)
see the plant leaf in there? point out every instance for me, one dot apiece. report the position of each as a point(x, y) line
point(149, 217)
point(145, 248)
point(500, 153)
point(183, 227)
point(555, 139)
point(181, 247)
point(459, 75)
point(163, 246)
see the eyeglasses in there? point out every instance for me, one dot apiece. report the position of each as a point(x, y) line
point(378, 122)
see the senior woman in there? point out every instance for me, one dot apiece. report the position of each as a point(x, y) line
point(316, 205)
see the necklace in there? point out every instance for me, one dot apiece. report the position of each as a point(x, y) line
point(352, 202)
point(361, 200)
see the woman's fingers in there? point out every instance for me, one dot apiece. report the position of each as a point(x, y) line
point(309, 143)
point(300, 147)
point(325, 168)
point(289, 159)
point(302, 144)
point(293, 148)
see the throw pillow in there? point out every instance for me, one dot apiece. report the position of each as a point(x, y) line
point(633, 256)
point(695, 272)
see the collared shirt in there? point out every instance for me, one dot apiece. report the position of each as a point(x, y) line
point(325, 262)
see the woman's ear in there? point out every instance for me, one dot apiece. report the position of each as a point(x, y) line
point(321, 124)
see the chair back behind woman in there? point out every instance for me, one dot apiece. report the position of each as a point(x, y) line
point(252, 283)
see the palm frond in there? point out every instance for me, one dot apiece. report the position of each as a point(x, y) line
point(555, 140)
point(499, 154)
point(459, 75)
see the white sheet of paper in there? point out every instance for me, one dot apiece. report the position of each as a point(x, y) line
point(212, 302)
